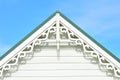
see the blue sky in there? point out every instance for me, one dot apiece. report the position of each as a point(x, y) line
point(99, 18)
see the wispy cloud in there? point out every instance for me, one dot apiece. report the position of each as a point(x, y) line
point(3, 48)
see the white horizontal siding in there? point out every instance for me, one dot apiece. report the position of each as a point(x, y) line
point(59, 78)
point(70, 66)
point(62, 59)
point(54, 65)
point(45, 73)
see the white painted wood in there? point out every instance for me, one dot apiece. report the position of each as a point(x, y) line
point(58, 58)
point(91, 43)
point(59, 78)
point(27, 41)
point(45, 26)
point(71, 65)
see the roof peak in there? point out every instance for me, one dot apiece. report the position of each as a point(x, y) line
point(57, 11)
point(58, 28)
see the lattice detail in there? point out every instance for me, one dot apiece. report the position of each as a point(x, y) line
point(65, 35)
point(96, 57)
point(27, 53)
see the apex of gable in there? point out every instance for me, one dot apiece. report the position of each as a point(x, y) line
point(57, 14)
point(59, 32)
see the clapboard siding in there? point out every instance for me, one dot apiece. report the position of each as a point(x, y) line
point(58, 66)
point(71, 65)
point(59, 78)
point(54, 59)
point(59, 73)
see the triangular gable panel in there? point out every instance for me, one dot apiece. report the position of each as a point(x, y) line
point(59, 32)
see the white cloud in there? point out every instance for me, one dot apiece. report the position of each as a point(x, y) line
point(3, 48)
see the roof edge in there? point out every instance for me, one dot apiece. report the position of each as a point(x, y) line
point(77, 27)
point(28, 35)
point(91, 38)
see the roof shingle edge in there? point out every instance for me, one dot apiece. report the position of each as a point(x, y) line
point(77, 27)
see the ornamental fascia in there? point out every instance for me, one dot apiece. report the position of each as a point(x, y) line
point(58, 49)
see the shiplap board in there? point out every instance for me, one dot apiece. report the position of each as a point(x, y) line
point(71, 66)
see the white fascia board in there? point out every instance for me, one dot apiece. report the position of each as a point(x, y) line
point(27, 41)
point(90, 42)
point(44, 27)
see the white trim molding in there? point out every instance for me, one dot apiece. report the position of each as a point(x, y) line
point(58, 30)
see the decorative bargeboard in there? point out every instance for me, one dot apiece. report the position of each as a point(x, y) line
point(57, 33)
